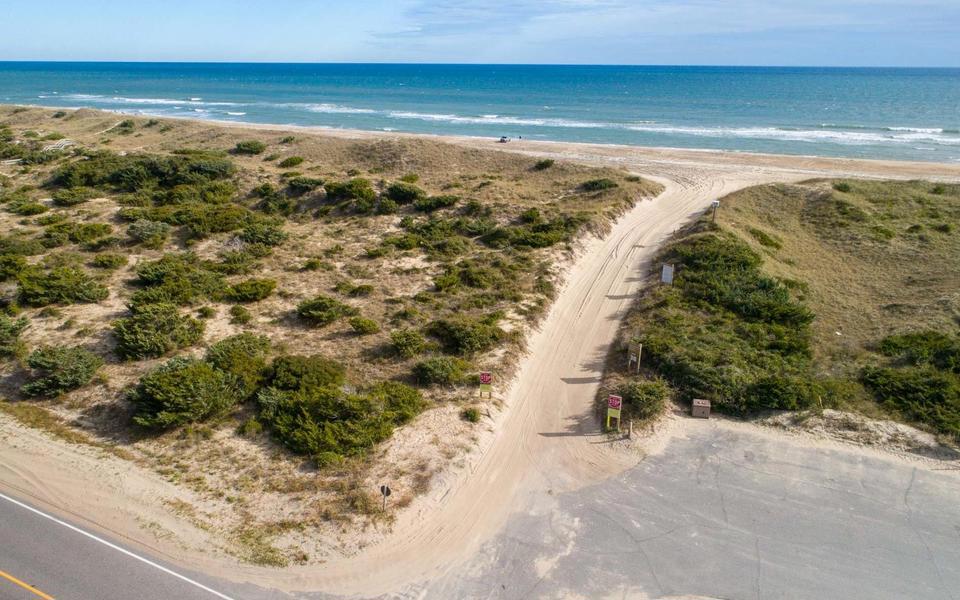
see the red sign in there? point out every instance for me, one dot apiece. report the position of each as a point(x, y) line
point(486, 378)
point(614, 402)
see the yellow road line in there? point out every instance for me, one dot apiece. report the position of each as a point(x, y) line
point(25, 586)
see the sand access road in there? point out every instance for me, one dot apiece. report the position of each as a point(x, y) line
point(548, 442)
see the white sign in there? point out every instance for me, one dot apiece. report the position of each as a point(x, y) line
point(666, 276)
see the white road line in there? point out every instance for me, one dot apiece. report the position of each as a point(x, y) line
point(117, 548)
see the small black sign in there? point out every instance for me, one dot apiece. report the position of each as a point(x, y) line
point(385, 490)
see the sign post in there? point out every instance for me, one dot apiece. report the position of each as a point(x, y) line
point(614, 403)
point(634, 351)
point(486, 384)
point(384, 491)
point(715, 204)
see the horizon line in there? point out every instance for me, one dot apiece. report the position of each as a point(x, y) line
point(469, 64)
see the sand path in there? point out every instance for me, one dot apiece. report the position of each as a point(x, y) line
point(547, 438)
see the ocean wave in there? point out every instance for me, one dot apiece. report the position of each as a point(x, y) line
point(97, 98)
point(861, 137)
point(236, 114)
point(330, 108)
point(500, 120)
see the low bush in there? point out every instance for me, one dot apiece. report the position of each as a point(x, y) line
point(405, 193)
point(364, 326)
point(440, 370)
point(11, 265)
point(598, 185)
point(249, 147)
point(466, 336)
point(263, 233)
point(109, 261)
point(354, 189)
point(407, 342)
point(60, 285)
point(74, 196)
point(471, 414)
point(251, 290)
point(922, 394)
point(644, 399)
point(152, 234)
point(301, 185)
point(154, 330)
point(434, 203)
point(177, 278)
point(323, 310)
point(842, 187)
point(240, 315)
point(244, 356)
point(290, 161)
point(330, 424)
point(294, 372)
point(182, 390)
point(543, 165)
point(27, 208)
point(60, 369)
point(925, 348)
point(10, 330)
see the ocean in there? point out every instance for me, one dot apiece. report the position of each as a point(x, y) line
point(906, 114)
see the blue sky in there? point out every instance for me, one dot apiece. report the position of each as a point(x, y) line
point(728, 32)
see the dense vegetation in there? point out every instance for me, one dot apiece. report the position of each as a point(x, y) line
point(729, 331)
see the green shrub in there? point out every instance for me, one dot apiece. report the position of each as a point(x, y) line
point(10, 330)
point(354, 189)
point(434, 203)
point(925, 348)
point(543, 164)
point(364, 326)
point(440, 370)
point(109, 261)
point(240, 315)
point(206, 312)
point(407, 342)
point(329, 424)
point(78, 233)
point(644, 399)
point(598, 185)
point(302, 185)
point(842, 186)
point(251, 290)
point(921, 394)
point(410, 178)
point(290, 161)
point(74, 196)
point(471, 414)
point(353, 290)
point(60, 369)
point(263, 233)
point(154, 330)
point(27, 209)
point(135, 172)
point(386, 206)
point(294, 372)
point(177, 278)
point(152, 234)
point(249, 147)
point(466, 336)
point(182, 390)
point(405, 193)
point(323, 310)
point(61, 285)
point(244, 356)
point(11, 265)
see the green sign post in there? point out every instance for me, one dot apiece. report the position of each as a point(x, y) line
point(486, 384)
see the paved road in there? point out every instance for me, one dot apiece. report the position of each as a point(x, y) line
point(732, 513)
point(727, 512)
point(65, 564)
